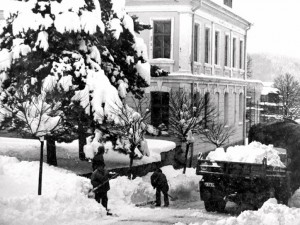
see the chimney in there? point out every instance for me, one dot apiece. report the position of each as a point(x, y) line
point(228, 3)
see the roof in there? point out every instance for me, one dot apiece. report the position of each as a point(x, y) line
point(268, 88)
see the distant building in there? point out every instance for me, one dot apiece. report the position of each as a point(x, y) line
point(203, 45)
point(271, 107)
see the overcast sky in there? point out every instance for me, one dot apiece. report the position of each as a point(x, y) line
point(276, 25)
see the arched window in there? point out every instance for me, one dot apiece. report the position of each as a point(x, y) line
point(226, 107)
point(241, 107)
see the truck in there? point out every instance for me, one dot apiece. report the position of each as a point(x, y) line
point(248, 185)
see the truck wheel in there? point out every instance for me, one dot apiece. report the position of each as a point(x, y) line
point(209, 206)
point(220, 206)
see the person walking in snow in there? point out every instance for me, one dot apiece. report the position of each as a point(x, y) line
point(159, 181)
point(98, 158)
point(100, 182)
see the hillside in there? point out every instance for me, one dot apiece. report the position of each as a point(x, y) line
point(266, 67)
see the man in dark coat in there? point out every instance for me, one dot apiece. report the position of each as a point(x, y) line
point(100, 179)
point(98, 158)
point(159, 181)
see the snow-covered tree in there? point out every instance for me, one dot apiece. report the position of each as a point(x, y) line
point(82, 55)
point(189, 115)
point(289, 90)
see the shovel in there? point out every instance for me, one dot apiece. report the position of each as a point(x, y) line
point(173, 198)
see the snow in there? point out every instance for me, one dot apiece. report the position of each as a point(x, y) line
point(270, 213)
point(42, 40)
point(63, 201)
point(252, 153)
point(64, 195)
point(144, 70)
point(66, 82)
point(118, 6)
point(268, 88)
point(15, 146)
point(115, 26)
point(128, 23)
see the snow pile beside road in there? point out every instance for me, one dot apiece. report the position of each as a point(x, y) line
point(63, 200)
point(64, 195)
point(295, 199)
point(183, 186)
point(270, 213)
point(252, 153)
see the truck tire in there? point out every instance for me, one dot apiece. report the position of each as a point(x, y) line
point(209, 206)
point(220, 206)
point(213, 206)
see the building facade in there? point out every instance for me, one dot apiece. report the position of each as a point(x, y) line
point(203, 45)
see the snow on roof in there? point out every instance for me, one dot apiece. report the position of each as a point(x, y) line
point(268, 88)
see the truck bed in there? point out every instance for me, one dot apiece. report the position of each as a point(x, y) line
point(238, 169)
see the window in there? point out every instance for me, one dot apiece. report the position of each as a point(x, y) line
point(159, 108)
point(206, 108)
point(217, 47)
point(162, 39)
point(233, 52)
point(218, 103)
point(235, 107)
point(241, 107)
point(226, 63)
point(226, 107)
point(241, 66)
point(228, 3)
point(207, 45)
point(196, 40)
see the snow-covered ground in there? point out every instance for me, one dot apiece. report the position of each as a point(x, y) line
point(67, 153)
point(64, 200)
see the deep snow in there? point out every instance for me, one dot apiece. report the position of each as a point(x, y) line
point(64, 200)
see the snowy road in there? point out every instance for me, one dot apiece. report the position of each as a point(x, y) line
point(184, 212)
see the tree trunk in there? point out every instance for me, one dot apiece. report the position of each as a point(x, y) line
point(192, 153)
point(131, 156)
point(186, 156)
point(51, 151)
point(81, 140)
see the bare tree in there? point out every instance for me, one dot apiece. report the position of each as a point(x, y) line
point(32, 114)
point(127, 134)
point(289, 91)
point(216, 133)
point(189, 115)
